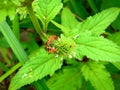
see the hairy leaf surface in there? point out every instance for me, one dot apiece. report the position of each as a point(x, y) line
point(68, 19)
point(40, 65)
point(96, 24)
point(112, 3)
point(47, 10)
point(96, 73)
point(98, 48)
point(99, 22)
point(67, 79)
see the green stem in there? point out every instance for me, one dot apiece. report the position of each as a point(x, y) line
point(3, 67)
point(10, 72)
point(93, 6)
point(45, 27)
point(4, 52)
point(78, 17)
point(36, 23)
point(15, 27)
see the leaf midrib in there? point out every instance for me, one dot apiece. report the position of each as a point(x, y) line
point(99, 48)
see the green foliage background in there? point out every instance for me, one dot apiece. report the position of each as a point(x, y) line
point(87, 44)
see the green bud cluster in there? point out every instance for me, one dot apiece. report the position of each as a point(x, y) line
point(64, 46)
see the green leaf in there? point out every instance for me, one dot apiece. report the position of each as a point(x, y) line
point(98, 48)
point(95, 24)
point(16, 2)
point(13, 42)
point(96, 73)
point(47, 10)
point(3, 14)
point(41, 64)
point(116, 23)
point(99, 22)
point(116, 64)
point(64, 29)
point(115, 38)
point(7, 8)
point(68, 19)
point(16, 27)
point(78, 8)
point(65, 1)
point(3, 67)
point(112, 3)
point(67, 79)
point(11, 13)
point(4, 54)
point(93, 6)
point(40, 85)
point(4, 43)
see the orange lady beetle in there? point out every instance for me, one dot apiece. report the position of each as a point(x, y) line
point(48, 47)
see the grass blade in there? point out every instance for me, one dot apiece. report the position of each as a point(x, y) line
point(13, 42)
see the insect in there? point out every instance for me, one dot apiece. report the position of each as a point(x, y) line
point(50, 40)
